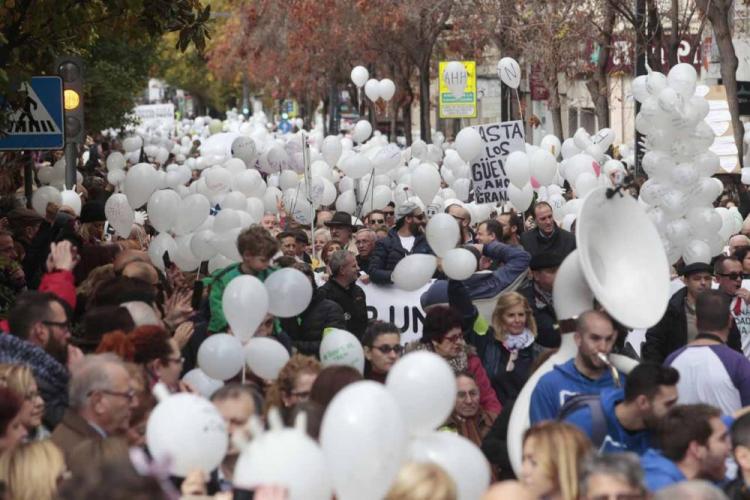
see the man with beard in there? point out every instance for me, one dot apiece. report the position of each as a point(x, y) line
point(630, 415)
point(694, 444)
point(40, 333)
point(406, 238)
point(711, 372)
point(584, 374)
point(512, 228)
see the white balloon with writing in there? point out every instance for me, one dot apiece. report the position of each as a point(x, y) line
point(340, 347)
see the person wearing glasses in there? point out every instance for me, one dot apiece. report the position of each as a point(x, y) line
point(729, 274)
point(375, 218)
point(442, 334)
point(39, 337)
point(406, 238)
point(382, 346)
point(468, 418)
point(365, 240)
point(678, 325)
point(152, 348)
point(390, 215)
point(101, 402)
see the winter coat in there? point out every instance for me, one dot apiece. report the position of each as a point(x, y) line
point(354, 303)
point(561, 242)
point(306, 330)
point(389, 251)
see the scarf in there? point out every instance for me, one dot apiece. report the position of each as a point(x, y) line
point(514, 344)
point(458, 364)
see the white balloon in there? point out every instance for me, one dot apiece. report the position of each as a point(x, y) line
point(363, 438)
point(73, 200)
point(387, 158)
point(201, 246)
point(520, 198)
point(119, 214)
point(357, 166)
point(340, 347)
point(115, 161)
point(183, 256)
point(220, 356)
point(372, 90)
point(426, 182)
point(161, 243)
point(455, 77)
point(245, 304)
point(517, 168)
point(414, 271)
point(362, 131)
point(347, 202)
point(163, 209)
point(386, 89)
point(443, 233)
point(469, 143)
point(289, 292)
point(424, 387)
point(331, 149)
point(585, 183)
point(551, 144)
point(187, 432)
point(266, 356)
point(543, 166)
point(569, 148)
point(204, 384)
point(359, 76)
point(140, 181)
point(459, 264)
point(245, 149)
point(682, 78)
point(194, 210)
point(457, 456)
point(696, 251)
point(509, 72)
point(234, 201)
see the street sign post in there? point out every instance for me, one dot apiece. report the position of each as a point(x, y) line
point(39, 124)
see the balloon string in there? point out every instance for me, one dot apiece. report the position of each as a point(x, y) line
point(518, 99)
point(243, 373)
point(361, 206)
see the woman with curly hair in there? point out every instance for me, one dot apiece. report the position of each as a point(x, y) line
point(294, 383)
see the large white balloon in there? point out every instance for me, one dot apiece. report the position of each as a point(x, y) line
point(443, 233)
point(119, 214)
point(509, 72)
point(220, 356)
point(455, 78)
point(244, 149)
point(469, 143)
point(187, 432)
point(426, 182)
point(204, 384)
point(362, 131)
point(140, 181)
point(115, 161)
point(372, 89)
point(696, 251)
point(543, 166)
point(43, 196)
point(265, 357)
point(289, 292)
point(459, 264)
point(331, 149)
point(163, 242)
point(458, 456)
point(414, 271)
point(359, 76)
point(245, 304)
point(424, 387)
point(363, 439)
point(517, 168)
point(163, 209)
point(194, 210)
point(386, 89)
point(520, 198)
point(340, 347)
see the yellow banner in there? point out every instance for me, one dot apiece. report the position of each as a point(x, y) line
point(464, 106)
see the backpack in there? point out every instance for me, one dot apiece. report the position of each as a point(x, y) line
point(598, 419)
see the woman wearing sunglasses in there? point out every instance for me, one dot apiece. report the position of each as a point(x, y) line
point(382, 345)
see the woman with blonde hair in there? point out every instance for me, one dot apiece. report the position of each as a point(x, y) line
point(294, 383)
point(32, 471)
point(552, 457)
point(507, 348)
point(422, 481)
point(20, 379)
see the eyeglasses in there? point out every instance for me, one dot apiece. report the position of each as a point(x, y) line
point(732, 276)
point(129, 395)
point(377, 221)
point(387, 349)
point(64, 325)
point(455, 338)
point(472, 394)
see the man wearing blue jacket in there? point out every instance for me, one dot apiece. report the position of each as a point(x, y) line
point(631, 414)
point(514, 261)
point(584, 374)
point(694, 444)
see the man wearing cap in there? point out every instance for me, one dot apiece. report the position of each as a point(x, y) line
point(406, 238)
point(341, 228)
point(678, 325)
point(547, 237)
point(538, 292)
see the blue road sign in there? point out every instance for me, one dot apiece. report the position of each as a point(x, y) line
point(39, 124)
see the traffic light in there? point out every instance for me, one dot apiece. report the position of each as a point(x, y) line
point(70, 69)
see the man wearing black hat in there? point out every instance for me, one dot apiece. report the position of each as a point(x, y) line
point(538, 292)
point(678, 325)
point(406, 238)
point(341, 228)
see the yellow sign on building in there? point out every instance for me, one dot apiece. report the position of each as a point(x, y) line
point(464, 106)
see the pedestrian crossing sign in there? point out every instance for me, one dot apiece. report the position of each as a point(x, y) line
point(39, 123)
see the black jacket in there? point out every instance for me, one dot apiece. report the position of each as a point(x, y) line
point(670, 333)
point(389, 251)
point(547, 335)
point(561, 242)
point(306, 330)
point(352, 301)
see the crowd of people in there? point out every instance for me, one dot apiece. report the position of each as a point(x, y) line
point(90, 325)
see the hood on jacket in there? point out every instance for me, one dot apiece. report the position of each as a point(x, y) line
point(569, 371)
point(659, 471)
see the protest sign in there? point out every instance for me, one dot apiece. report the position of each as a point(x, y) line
point(402, 308)
point(488, 168)
point(463, 105)
point(155, 114)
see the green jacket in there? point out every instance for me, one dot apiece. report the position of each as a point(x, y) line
point(216, 284)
